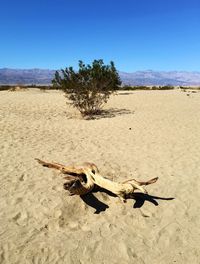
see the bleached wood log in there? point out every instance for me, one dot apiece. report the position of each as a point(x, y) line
point(82, 179)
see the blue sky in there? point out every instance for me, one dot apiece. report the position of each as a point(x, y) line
point(135, 34)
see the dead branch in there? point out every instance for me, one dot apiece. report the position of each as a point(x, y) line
point(82, 179)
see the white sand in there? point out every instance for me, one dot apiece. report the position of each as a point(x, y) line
point(40, 223)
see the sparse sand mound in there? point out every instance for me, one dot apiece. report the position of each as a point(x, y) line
point(148, 134)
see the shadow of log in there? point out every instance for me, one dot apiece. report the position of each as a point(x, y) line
point(140, 199)
point(93, 202)
point(102, 190)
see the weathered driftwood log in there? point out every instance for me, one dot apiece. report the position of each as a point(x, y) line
point(82, 179)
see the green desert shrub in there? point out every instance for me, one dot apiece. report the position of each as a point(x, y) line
point(89, 88)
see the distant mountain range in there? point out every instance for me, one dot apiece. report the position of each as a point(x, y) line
point(29, 76)
point(149, 77)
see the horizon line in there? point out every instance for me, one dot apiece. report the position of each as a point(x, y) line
point(122, 71)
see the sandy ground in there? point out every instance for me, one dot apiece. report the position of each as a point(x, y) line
point(145, 134)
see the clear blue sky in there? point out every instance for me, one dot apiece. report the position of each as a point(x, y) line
point(135, 34)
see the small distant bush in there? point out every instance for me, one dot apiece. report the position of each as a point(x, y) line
point(89, 87)
point(18, 88)
point(133, 88)
point(5, 87)
point(148, 88)
point(126, 88)
point(166, 87)
point(185, 87)
point(31, 86)
point(155, 87)
point(44, 88)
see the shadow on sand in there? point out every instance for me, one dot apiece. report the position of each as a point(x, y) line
point(106, 113)
point(126, 93)
point(95, 203)
point(109, 113)
point(139, 200)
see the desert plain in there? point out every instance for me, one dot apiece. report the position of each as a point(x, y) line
point(141, 135)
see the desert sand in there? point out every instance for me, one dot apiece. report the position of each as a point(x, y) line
point(145, 134)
